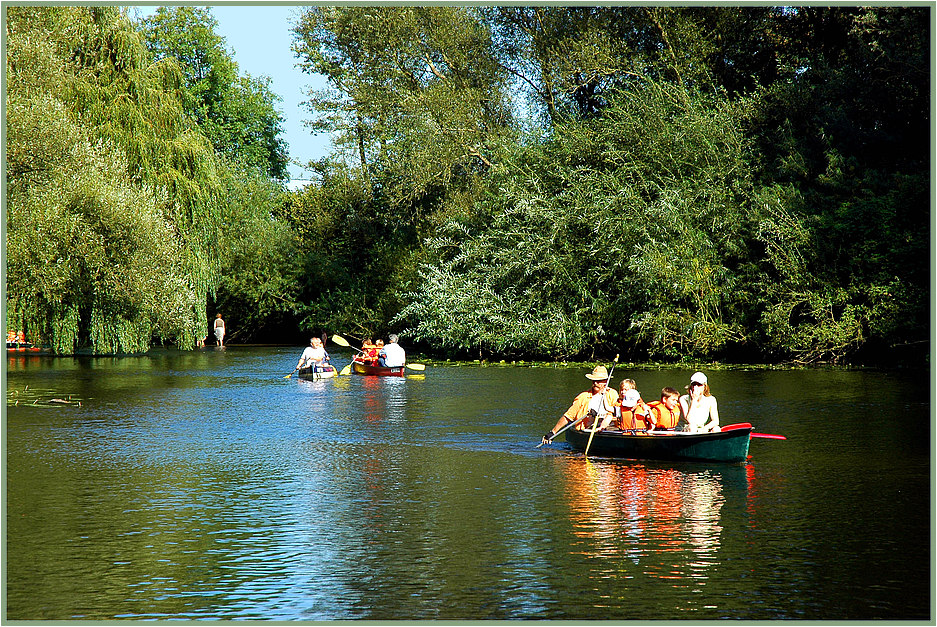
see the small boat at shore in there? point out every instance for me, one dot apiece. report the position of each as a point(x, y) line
point(22, 347)
point(729, 445)
point(376, 371)
point(314, 373)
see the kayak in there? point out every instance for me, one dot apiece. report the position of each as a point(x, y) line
point(317, 372)
point(377, 371)
point(723, 446)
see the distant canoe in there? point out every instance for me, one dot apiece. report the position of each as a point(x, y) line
point(317, 372)
point(22, 346)
point(722, 446)
point(377, 371)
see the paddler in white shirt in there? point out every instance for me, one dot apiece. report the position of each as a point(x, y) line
point(314, 355)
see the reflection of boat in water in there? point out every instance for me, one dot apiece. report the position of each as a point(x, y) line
point(653, 519)
point(723, 446)
point(376, 371)
point(315, 373)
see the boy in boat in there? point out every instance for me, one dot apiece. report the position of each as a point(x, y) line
point(665, 413)
point(596, 403)
point(632, 410)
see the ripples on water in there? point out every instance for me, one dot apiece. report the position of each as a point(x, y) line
point(208, 486)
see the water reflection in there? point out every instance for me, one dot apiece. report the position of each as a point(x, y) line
point(208, 486)
point(666, 521)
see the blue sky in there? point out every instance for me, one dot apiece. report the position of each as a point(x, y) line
point(260, 39)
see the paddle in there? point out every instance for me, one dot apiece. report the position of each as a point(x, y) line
point(747, 425)
point(291, 374)
point(338, 339)
point(572, 424)
point(595, 422)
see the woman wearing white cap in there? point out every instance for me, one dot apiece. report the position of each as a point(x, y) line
point(699, 407)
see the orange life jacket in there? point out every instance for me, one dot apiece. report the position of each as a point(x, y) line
point(630, 419)
point(666, 419)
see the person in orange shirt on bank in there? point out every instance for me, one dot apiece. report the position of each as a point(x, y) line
point(598, 399)
point(665, 413)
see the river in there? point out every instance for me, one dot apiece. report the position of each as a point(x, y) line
point(205, 485)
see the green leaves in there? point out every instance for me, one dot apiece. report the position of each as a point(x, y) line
point(626, 226)
point(110, 196)
point(417, 99)
point(236, 113)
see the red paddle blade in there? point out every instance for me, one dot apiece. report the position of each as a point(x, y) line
point(769, 436)
point(747, 425)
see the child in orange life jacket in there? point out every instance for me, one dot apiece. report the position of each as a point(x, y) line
point(665, 413)
point(369, 349)
point(633, 411)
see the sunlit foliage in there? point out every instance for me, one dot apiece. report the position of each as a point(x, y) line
point(111, 197)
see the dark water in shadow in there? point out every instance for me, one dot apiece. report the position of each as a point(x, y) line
point(205, 485)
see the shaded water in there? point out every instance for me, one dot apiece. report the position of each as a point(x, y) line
point(205, 485)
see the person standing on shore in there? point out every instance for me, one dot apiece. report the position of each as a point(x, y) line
point(219, 330)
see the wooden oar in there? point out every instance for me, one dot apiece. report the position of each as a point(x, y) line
point(572, 424)
point(595, 421)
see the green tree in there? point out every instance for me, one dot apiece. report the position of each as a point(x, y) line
point(416, 95)
point(111, 198)
point(237, 113)
point(260, 277)
point(629, 228)
point(846, 124)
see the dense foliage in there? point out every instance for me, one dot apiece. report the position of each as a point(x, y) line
point(664, 182)
point(120, 211)
point(679, 183)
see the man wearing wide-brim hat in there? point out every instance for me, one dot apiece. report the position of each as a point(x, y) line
point(599, 399)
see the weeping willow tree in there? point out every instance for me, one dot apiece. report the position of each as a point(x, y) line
point(112, 197)
point(628, 229)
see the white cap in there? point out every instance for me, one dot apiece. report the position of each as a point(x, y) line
point(631, 398)
point(699, 377)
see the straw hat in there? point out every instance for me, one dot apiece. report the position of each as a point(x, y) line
point(599, 373)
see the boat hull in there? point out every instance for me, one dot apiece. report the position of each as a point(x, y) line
point(321, 372)
point(724, 446)
point(377, 371)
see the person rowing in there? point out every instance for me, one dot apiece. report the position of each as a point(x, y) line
point(391, 355)
point(596, 403)
point(313, 356)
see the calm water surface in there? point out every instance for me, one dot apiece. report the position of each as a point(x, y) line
point(207, 486)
